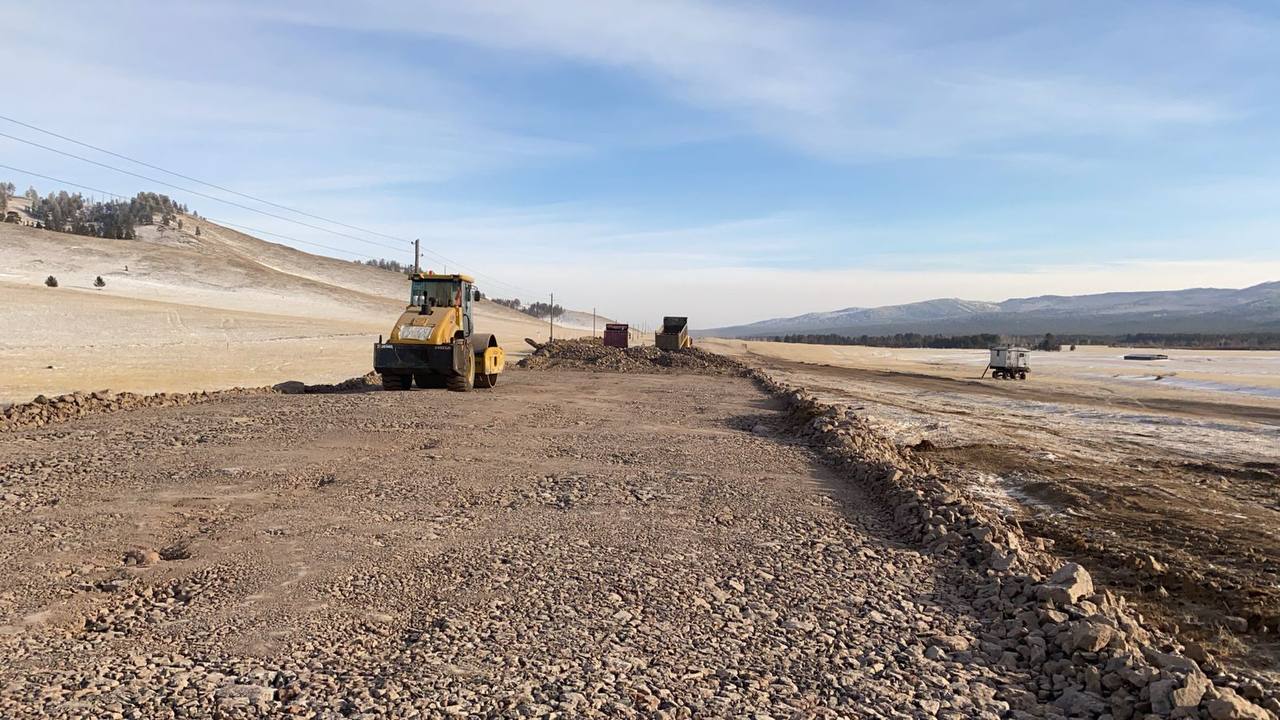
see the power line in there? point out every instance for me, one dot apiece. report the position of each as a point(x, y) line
point(210, 219)
point(196, 192)
point(197, 180)
point(234, 192)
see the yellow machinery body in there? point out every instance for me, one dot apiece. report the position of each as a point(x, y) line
point(434, 344)
point(674, 334)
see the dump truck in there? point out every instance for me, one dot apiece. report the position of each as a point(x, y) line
point(434, 343)
point(1009, 363)
point(674, 334)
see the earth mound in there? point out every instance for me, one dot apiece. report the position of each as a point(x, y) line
point(592, 354)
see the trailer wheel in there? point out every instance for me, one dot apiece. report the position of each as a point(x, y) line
point(1022, 376)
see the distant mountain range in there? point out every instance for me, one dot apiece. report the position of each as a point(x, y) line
point(1197, 310)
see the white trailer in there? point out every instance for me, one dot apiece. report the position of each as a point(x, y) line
point(1009, 363)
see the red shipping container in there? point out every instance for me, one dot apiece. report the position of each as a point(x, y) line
point(616, 334)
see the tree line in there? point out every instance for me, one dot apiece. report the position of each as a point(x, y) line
point(898, 340)
point(389, 265)
point(537, 309)
point(1048, 342)
point(1194, 341)
point(74, 213)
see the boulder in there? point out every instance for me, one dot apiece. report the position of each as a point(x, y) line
point(290, 387)
point(950, 643)
point(1230, 706)
point(1091, 635)
point(1080, 704)
point(141, 556)
point(1191, 692)
point(255, 694)
point(1070, 583)
point(1169, 694)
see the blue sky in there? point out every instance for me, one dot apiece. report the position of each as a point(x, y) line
point(729, 161)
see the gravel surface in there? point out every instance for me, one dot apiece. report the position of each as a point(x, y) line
point(571, 544)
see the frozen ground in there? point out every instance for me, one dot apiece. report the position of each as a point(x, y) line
point(1170, 486)
point(182, 313)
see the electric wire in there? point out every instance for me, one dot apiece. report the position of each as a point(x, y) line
point(81, 143)
point(247, 196)
point(198, 193)
point(216, 221)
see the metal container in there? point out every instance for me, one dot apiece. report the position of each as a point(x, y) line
point(616, 334)
point(674, 334)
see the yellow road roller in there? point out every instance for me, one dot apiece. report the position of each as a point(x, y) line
point(434, 343)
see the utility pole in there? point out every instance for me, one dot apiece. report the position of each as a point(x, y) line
point(551, 316)
point(417, 255)
point(593, 322)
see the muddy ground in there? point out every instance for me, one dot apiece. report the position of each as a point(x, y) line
point(568, 544)
point(1173, 500)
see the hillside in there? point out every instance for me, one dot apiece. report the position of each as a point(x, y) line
point(1198, 310)
point(181, 312)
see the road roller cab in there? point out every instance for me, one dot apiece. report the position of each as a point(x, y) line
point(434, 343)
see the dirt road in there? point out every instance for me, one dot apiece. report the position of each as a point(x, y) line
point(570, 543)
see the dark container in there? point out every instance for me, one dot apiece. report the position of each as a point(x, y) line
point(616, 334)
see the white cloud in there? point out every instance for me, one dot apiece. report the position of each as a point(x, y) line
point(225, 100)
point(836, 87)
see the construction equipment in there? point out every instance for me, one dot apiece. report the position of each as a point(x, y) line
point(674, 334)
point(617, 335)
point(1008, 363)
point(434, 343)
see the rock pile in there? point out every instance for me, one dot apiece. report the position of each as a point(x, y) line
point(592, 354)
point(366, 382)
point(1087, 652)
point(46, 411)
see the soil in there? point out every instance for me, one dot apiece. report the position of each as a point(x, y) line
point(1173, 499)
point(569, 543)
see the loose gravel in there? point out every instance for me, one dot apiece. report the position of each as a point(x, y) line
point(592, 354)
point(570, 544)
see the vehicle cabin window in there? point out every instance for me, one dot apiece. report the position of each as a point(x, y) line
point(439, 293)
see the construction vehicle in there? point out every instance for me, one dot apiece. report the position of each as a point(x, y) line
point(674, 334)
point(434, 343)
point(1008, 363)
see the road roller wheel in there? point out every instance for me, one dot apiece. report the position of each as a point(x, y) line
point(465, 380)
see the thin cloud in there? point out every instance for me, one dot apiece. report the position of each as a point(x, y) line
point(836, 87)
